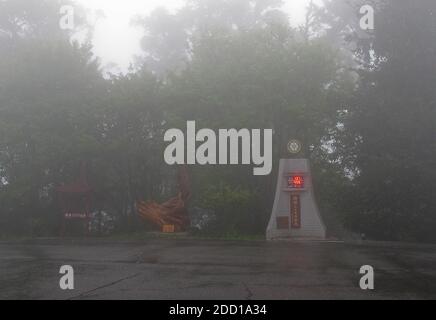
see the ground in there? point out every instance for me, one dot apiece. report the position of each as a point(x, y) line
point(207, 269)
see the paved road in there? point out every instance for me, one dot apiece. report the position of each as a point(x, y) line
point(194, 269)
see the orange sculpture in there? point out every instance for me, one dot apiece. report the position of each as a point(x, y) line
point(173, 212)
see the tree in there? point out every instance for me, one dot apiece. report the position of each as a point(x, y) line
point(49, 87)
point(169, 38)
point(259, 78)
point(388, 137)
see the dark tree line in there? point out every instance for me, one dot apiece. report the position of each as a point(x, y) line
point(362, 103)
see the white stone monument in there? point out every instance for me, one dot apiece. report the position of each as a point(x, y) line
point(295, 213)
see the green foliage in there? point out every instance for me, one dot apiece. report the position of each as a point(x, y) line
point(234, 207)
point(388, 140)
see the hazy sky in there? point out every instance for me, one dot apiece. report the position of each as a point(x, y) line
point(116, 41)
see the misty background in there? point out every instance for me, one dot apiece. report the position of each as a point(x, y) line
point(361, 102)
point(116, 38)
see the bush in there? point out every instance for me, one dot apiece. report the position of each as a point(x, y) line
point(235, 210)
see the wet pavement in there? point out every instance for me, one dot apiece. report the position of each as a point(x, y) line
point(203, 269)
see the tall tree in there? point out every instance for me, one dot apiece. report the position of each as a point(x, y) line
point(49, 87)
point(169, 37)
point(389, 137)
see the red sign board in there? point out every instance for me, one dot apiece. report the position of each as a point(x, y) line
point(168, 228)
point(296, 181)
point(295, 211)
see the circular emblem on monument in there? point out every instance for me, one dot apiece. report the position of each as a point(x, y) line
point(294, 146)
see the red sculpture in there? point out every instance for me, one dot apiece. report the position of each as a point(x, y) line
point(173, 212)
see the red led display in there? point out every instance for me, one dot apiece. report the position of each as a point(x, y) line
point(296, 181)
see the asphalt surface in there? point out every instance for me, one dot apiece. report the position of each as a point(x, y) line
point(200, 269)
